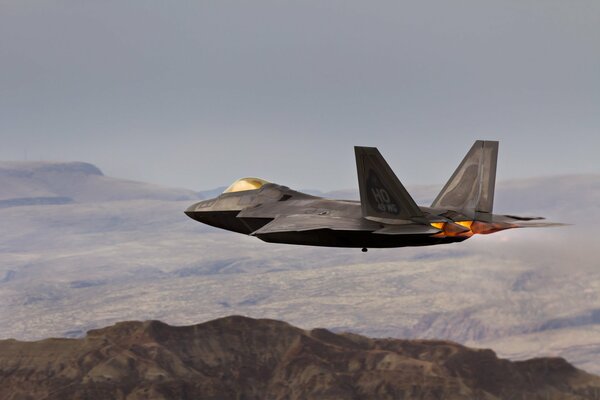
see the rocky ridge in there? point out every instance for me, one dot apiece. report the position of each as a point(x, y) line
point(242, 358)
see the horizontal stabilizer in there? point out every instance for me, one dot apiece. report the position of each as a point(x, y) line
point(526, 222)
point(523, 218)
point(532, 224)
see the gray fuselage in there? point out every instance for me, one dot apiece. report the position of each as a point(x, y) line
point(248, 211)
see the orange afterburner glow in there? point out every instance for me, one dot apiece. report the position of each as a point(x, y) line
point(438, 225)
point(485, 228)
point(452, 229)
point(474, 227)
point(466, 224)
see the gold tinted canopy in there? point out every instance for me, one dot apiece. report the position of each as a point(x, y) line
point(245, 184)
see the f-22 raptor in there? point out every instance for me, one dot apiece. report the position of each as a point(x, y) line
point(385, 216)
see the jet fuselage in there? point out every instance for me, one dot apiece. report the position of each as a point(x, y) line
point(385, 216)
point(248, 211)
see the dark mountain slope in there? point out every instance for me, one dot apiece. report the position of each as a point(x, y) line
point(243, 358)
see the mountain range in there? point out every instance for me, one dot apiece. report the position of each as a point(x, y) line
point(79, 251)
point(242, 358)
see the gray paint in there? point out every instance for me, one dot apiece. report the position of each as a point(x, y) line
point(386, 215)
point(471, 186)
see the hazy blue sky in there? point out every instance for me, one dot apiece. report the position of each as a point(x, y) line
point(197, 94)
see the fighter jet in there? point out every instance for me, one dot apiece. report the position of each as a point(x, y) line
point(385, 216)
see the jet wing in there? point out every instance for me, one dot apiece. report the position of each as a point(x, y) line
point(301, 223)
point(519, 218)
point(536, 224)
point(308, 222)
point(527, 222)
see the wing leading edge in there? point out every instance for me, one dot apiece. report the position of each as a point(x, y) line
point(304, 223)
point(307, 222)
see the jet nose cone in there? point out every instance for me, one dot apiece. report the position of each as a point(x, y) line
point(192, 211)
point(201, 210)
point(191, 208)
point(197, 215)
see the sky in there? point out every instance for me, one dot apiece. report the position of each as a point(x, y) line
point(199, 93)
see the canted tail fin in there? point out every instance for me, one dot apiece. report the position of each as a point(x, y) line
point(382, 196)
point(471, 187)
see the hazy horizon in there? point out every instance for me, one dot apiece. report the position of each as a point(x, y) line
point(199, 94)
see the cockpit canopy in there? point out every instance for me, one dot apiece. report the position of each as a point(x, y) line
point(245, 184)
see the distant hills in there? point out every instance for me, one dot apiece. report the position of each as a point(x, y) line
point(243, 358)
point(38, 183)
point(41, 183)
point(105, 250)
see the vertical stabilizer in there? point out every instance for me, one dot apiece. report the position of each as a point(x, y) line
point(471, 187)
point(382, 196)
